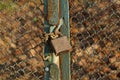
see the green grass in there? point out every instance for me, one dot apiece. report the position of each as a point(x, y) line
point(7, 5)
point(35, 19)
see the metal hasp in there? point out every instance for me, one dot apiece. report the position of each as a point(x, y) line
point(58, 67)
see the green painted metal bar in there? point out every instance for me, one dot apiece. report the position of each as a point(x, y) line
point(65, 29)
point(54, 10)
point(51, 18)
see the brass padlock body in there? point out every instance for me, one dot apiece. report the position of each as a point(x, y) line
point(61, 44)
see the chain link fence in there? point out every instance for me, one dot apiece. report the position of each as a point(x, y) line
point(95, 37)
point(21, 24)
point(95, 30)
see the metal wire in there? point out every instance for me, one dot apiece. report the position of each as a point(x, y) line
point(21, 40)
point(95, 30)
point(95, 38)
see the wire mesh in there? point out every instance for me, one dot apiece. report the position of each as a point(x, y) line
point(95, 37)
point(95, 30)
point(21, 25)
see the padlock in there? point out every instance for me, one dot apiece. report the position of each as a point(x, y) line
point(60, 44)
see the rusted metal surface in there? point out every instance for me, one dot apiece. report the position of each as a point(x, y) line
point(61, 44)
point(53, 12)
point(51, 18)
point(64, 65)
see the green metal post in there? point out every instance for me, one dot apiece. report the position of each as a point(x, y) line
point(54, 10)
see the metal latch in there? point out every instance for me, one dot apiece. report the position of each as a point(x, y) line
point(55, 11)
